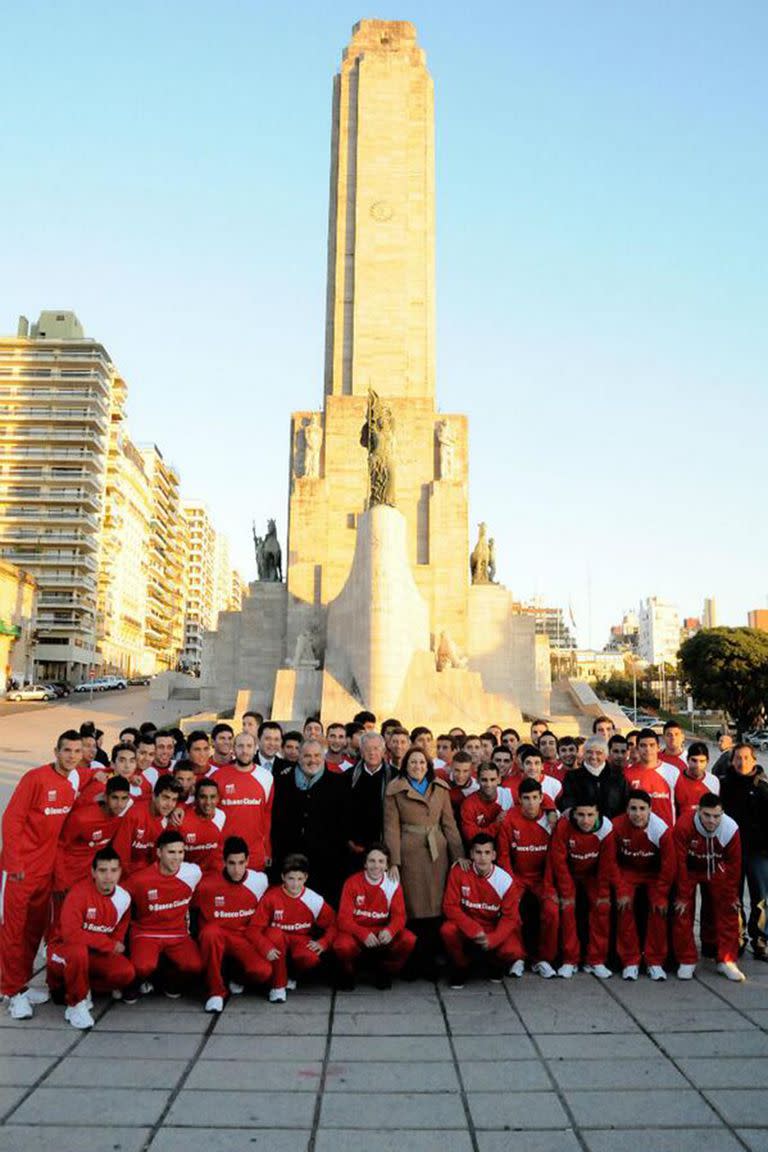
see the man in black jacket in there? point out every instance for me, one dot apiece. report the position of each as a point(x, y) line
point(744, 793)
point(606, 780)
point(307, 816)
point(364, 799)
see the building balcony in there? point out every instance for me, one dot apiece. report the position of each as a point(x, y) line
point(49, 500)
point(12, 514)
point(61, 414)
point(52, 556)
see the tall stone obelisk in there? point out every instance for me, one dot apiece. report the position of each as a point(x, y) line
point(380, 327)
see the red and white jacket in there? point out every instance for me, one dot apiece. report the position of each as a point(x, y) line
point(523, 848)
point(554, 768)
point(707, 858)
point(33, 819)
point(306, 915)
point(366, 907)
point(578, 856)
point(481, 815)
point(246, 798)
point(92, 919)
point(135, 838)
point(550, 787)
point(644, 856)
point(161, 903)
point(659, 783)
point(85, 830)
point(230, 905)
point(204, 838)
point(478, 904)
point(689, 791)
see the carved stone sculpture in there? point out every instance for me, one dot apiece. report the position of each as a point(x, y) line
point(378, 436)
point(448, 654)
point(491, 561)
point(269, 556)
point(446, 441)
point(304, 654)
point(479, 560)
point(313, 442)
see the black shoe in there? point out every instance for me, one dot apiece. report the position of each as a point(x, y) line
point(344, 983)
point(456, 980)
point(760, 951)
point(383, 981)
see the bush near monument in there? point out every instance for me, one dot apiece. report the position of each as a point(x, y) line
point(621, 689)
point(728, 668)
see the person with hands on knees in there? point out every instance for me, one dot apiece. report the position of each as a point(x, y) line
point(371, 922)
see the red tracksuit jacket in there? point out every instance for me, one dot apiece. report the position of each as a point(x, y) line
point(33, 819)
point(231, 906)
point(523, 847)
point(575, 855)
point(366, 907)
point(306, 915)
point(88, 917)
point(204, 838)
point(479, 814)
point(94, 790)
point(135, 839)
point(161, 903)
point(644, 856)
point(549, 786)
point(246, 800)
point(85, 830)
point(688, 792)
point(481, 903)
point(705, 858)
point(659, 783)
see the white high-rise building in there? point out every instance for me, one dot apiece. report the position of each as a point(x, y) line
point(199, 613)
point(709, 615)
point(659, 639)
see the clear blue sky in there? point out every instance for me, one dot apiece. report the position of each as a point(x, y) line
point(602, 182)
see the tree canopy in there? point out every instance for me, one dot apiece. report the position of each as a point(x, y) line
point(727, 668)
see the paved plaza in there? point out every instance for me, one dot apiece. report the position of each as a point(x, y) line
point(540, 1066)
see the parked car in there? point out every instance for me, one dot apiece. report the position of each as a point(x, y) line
point(95, 685)
point(32, 692)
point(59, 690)
point(138, 681)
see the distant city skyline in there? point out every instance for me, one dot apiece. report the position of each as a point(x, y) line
point(601, 265)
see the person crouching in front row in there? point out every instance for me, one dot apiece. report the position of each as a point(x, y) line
point(371, 922)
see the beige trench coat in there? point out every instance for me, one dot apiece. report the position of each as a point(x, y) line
point(421, 834)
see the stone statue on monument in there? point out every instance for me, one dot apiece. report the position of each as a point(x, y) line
point(480, 558)
point(378, 436)
point(491, 561)
point(448, 654)
point(304, 653)
point(446, 443)
point(269, 557)
point(313, 442)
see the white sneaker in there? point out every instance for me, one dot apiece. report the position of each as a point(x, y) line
point(566, 971)
point(214, 1004)
point(291, 985)
point(656, 972)
point(146, 988)
point(517, 969)
point(38, 996)
point(19, 1007)
point(89, 1002)
point(79, 1015)
point(117, 993)
point(731, 970)
point(686, 971)
point(236, 989)
point(598, 970)
point(545, 969)
point(631, 972)
point(277, 996)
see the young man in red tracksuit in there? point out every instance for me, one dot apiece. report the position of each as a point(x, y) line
point(673, 751)
point(460, 780)
point(161, 895)
point(484, 810)
point(86, 952)
point(646, 862)
point(245, 796)
point(226, 902)
point(481, 915)
point(123, 764)
point(708, 848)
point(694, 780)
point(654, 776)
point(371, 921)
point(582, 858)
point(203, 827)
point(142, 825)
point(31, 827)
point(532, 768)
point(297, 926)
point(523, 846)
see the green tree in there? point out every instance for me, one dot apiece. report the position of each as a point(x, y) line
point(621, 689)
point(728, 668)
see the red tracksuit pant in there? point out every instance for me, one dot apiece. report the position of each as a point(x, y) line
point(460, 948)
point(294, 947)
point(390, 957)
point(24, 914)
point(724, 921)
point(628, 937)
point(80, 971)
point(549, 920)
point(182, 953)
point(599, 927)
point(217, 945)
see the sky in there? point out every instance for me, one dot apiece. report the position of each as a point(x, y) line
point(602, 262)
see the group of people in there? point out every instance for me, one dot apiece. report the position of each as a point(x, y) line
point(227, 861)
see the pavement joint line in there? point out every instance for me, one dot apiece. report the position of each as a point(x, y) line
point(555, 1086)
point(457, 1067)
point(730, 1004)
point(674, 1060)
point(323, 1075)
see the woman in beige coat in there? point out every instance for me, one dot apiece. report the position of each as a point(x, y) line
point(422, 837)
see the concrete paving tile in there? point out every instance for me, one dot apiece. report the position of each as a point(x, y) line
point(64, 1106)
point(759, 1018)
point(611, 1109)
point(756, 1139)
point(492, 1047)
point(669, 1019)
point(384, 1024)
point(505, 1076)
point(396, 1048)
point(48, 1015)
point(137, 1046)
point(603, 1046)
point(720, 1072)
point(255, 1076)
point(744, 1107)
point(371, 1075)
point(485, 1023)
point(340, 1140)
point(391, 1001)
point(749, 1043)
point(462, 1000)
point(124, 1020)
point(661, 1140)
point(633, 1074)
point(528, 1141)
point(574, 1018)
point(192, 1109)
point(297, 1003)
point(230, 1139)
point(23, 1070)
point(257, 1048)
point(516, 1111)
point(273, 1021)
point(27, 1041)
point(117, 1073)
point(392, 1111)
point(26, 1138)
point(9, 1098)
